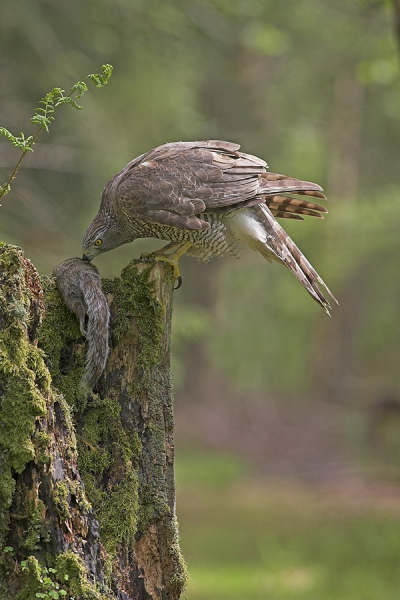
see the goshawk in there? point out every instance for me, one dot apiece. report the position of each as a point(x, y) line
point(206, 199)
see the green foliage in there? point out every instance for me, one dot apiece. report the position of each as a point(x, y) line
point(18, 142)
point(70, 572)
point(67, 579)
point(44, 116)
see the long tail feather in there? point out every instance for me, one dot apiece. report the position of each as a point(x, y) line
point(273, 183)
point(286, 207)
point(286, 251)
point(257, 227)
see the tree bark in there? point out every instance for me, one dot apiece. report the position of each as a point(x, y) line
point(87, 496)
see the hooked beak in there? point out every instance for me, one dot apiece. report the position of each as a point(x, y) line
point(86, 257)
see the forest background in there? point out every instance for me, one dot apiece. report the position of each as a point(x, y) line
point(287, 422)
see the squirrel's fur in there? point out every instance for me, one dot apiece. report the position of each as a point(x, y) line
point(79, 284)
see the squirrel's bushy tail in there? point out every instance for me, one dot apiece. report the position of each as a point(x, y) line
point(79, 284)
point(98, 318)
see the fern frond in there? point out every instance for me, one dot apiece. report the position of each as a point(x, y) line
point(44, 115)
point(80, 87)
point(42, 120)
point(18, 142)
point(101, 80)
point(67, 100)
point(7, 134)
point(23, 143)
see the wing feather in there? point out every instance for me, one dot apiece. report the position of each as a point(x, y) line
point(175, 183)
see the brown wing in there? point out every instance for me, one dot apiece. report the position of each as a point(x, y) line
point(175, 182)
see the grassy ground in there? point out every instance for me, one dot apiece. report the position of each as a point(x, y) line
point(248, 540)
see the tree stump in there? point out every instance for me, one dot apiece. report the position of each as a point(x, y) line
point(87, 495)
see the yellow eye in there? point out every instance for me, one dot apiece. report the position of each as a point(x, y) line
point(98, 242)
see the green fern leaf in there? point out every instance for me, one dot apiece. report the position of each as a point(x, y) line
point(7, 134)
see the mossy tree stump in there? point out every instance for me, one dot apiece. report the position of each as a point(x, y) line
point(87, 497)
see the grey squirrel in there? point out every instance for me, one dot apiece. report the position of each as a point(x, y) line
point(79, 284)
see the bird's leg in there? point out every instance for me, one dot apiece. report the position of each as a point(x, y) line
point(171, 254)
point(169, 248)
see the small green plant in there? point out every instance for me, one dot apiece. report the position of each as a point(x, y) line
point(44, 115)
point(50, 586)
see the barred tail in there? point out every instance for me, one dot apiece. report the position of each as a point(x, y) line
point(272, 186)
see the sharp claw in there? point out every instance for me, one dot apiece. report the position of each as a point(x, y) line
point(179, 280)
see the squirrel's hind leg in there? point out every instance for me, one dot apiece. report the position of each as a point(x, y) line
point(81, 314)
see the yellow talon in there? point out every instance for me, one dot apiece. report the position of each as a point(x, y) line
point(171, 254)
point(169, 261)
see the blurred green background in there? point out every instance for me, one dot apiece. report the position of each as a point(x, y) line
point(287, 422)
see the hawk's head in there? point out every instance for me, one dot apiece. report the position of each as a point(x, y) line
point(101, 236)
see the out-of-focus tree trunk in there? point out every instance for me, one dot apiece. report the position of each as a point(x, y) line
point(333, 355)
point(346, 133)
point(396, 5)
point(87, 497)
point(201, 290)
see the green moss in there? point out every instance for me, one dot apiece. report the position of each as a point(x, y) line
point(36, 518)
point(152, 504)
point(24, 378)
point(106, 452)
point(32, 574)
point(52, 338)
point(63, 490)
point(7, 488)
point(60, 497)
point(71, 570)
point(21, 404)
point(134, 297)
point(66, 412)
point(181, 577)
point(68, 577)
point(42, 443)
point(77, 491)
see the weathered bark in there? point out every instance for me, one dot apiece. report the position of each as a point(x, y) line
point(87, 498)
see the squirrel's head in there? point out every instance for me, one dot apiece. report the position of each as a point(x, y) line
point(101, 236)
